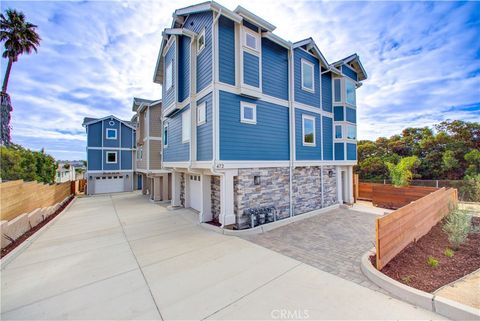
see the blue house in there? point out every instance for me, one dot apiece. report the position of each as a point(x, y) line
point(253, 121)
point(110, 155)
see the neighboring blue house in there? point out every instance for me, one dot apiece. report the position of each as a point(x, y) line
point(110, 155)
point(251, 120)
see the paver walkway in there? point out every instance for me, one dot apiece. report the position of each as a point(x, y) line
point(121, 257)
point(333, 242)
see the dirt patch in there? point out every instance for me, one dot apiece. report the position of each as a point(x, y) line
point(410, 266)
point(33, 230)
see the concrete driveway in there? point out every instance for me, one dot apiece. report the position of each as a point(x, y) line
point(122, 257)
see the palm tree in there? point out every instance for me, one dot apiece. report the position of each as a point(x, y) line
point(19, 37)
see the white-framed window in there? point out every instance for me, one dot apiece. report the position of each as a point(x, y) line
point(351, 132)
point(169, 75)
point(165, 135)
point(111, 133)
point(350, 92)
point(308, 73)
point(308, 130)
point(201, 114)
point(338, 131)
point(251, 39)
point(111, 157)
point(186, 121)
point(140, 153)
point(201, 41)
point(337, 90)
point(248, 113)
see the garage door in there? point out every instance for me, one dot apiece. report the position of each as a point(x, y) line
point(109, 184)
point(195, 192)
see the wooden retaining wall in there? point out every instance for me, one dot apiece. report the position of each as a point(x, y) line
point(396, 230)
point(18, 197)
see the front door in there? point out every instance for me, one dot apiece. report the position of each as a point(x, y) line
point(195, 192)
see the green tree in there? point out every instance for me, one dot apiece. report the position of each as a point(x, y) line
point(450, 163)
point(473, 162)
point(401, 173)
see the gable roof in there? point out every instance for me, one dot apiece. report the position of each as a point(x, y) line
point(310, 45)
point(353, 61)
point(88, 121)
point(138, 103)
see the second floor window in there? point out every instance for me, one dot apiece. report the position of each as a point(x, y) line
point(308, 130)
point(337, 90)
point(338, 131)
point(248, 113)
point(140, 153)
point(201, 114)
point(201, 42)
point(308, 82)
point(251, 40)
point(111, 133)
point(165, 135)
point(169, 75)
point(111, 157)
point(186, 122)
point(351, 132)
point(350, 92)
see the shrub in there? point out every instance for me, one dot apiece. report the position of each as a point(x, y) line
point(470, 190)
point(407, 279)
point(449, 252)
point(432, 262)
point(401, 173)
point(457, 226)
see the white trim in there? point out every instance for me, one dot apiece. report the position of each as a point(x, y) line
point(110, 129)
point(200, 35)
point(202, 107)
point(105, 118)
point(110, 172)
point(312, 118)
point(255, 164)
point(312, 66)
point(254, 18)
point(244, 104)
point(255, 36)
point(112, 148)
point(279, 41)
point(267, 98)
point(169, 63)
point(165, 128)
point(116, 157)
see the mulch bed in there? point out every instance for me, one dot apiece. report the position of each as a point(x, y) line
point(410, 266)
point(10, 247)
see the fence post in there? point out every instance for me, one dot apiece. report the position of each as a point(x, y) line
point(436, 183)
point(384, 181)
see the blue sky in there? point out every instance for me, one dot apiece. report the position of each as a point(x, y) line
point(422, 58)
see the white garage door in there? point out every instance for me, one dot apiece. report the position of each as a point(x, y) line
point(195, 192)
point(109, 184)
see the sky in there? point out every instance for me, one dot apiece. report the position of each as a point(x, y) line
point(422, 59)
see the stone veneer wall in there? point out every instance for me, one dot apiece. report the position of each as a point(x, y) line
point(307, 189)
point(182, 189)
point(215, 195)
point(330, 186)
point(272, 191)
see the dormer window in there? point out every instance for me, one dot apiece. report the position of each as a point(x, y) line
point(201, 41)
point(111, 133)
point(308, 82)
point(251, 40)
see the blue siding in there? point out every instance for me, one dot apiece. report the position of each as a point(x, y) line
point(251, 65)
point(196, 22)
point(327, 92)
point(274, 69)
point(250, 25)
point(126, 157)
point(327, 124)
point(204, 132)
point(338, 113)
point(176, 151)
point(127, 138)
point(111, 142)
point(183, 68)
point(307, 152)
point(351, 115)
point(169, 96)
point(302, 96)
point(110, 167)
point(339, 151)
point(94, 160)
point(351, 151)
point(226, 50)
point(266, 140)
point(95, 135)
point(349, 72)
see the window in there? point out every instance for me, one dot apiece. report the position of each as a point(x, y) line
point(201, 41)
point(186, 123)
point(140, 153)
point(111, 133)
point(248, 113)
point(350, 88)
point(351, 132)
point(308, 130)
point(308, 83)
point(201, 114)
point(251, 40)
point(169, 75)
point(338, 131)
point(165, 135)
point(337, 88)
point(111, 157)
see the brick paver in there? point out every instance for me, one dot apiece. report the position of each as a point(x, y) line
point(333, 242)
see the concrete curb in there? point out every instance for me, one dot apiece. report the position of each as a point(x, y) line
point(22, 247)
point(269, 226)
point(451, 309)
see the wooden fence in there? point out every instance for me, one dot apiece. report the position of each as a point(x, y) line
point(388, 196)
point(396, 230)
point(18, 197)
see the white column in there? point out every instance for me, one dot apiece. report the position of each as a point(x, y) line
point(338, 170)
point(187, 190)
point(165, 187)
point(227, 214)
point(206, 213)
point(176, 189)
point(350, 184)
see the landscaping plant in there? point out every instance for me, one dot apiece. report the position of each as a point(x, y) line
point(432, 262)
point(457, 226)
point(401, 173)
point(449, 252)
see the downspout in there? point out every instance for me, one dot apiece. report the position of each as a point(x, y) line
point(292, 126)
